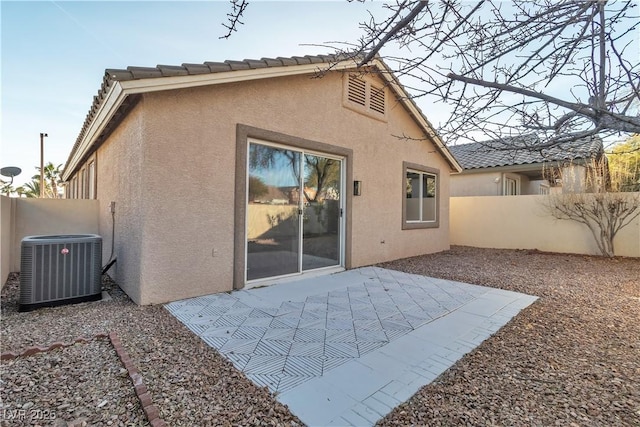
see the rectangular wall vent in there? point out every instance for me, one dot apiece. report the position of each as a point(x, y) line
point(376, 102)
point(61, 269)
point(357, 91)
point(365, 97)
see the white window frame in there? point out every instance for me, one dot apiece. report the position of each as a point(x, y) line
point(506, 179)
point(421, 170)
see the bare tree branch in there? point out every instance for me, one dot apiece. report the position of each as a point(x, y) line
point(502, 54)
point(391, 33)
point(237, 9)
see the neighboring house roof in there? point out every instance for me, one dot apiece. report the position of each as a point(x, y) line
point(490, 154)
point(120, 87)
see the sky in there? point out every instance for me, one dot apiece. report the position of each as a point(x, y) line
point(54, 54)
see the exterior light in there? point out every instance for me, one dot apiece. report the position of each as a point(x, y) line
point(357, 188)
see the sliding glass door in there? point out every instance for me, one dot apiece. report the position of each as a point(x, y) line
point(322, 212)
point(294, 211)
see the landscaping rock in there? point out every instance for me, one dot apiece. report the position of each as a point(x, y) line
point(571, 358)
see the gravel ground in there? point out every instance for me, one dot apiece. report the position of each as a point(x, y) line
point(190, 383)
point(79, 385)
point(570, 359)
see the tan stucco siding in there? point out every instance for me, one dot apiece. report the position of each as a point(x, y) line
point(188, 189)
point(119, 169)
point(378, 163)
point(188, 176)
point(169, 166)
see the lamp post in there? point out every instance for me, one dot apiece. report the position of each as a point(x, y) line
point(42, 135)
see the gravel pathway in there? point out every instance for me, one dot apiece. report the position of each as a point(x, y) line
point(572, 358)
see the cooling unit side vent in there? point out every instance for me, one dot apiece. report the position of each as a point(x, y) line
point(60, 269)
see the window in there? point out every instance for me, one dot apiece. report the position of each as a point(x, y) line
point(74, 187)
point(92, 180)
point(82, 184)
point(511, 186)
point(544, 189)
point(421, 197)
point(363, 96)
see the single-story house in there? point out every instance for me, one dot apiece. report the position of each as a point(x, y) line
point(492, 169)
point(226, 175)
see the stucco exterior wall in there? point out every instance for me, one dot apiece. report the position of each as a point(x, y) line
point(476, 184)
point(522, 223)
point(119, 170)
point(170, 169)
point(533, 187)
point(490, 183)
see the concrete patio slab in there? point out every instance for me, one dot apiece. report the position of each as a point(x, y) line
point(346, 348)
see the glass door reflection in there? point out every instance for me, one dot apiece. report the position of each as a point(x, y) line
point(322, 211)
point(273, 212)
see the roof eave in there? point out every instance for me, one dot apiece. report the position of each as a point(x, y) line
point(119, 91)
point(413, 109)
point(112, 101)
point(182, 82)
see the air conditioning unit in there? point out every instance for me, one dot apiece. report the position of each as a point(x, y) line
point(60, 269)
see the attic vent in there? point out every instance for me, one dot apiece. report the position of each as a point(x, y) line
point(376, 103)
point(357, 91)
point(364, 97)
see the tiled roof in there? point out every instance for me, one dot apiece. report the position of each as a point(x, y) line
point(135, 73)
point(491, 154)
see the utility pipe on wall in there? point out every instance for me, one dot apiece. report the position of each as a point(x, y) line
point(42, 135)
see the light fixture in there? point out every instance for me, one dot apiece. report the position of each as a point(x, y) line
point(357, 188)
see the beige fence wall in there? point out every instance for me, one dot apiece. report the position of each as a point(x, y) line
point(521, 222)
point(28, 217)
point(5, 238)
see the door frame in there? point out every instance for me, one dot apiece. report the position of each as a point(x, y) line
point(243, 134)
point(301, 209)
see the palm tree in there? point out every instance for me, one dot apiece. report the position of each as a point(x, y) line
point(31, 189)
point(52, 175)
point(52, 181)
point(6, 188)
